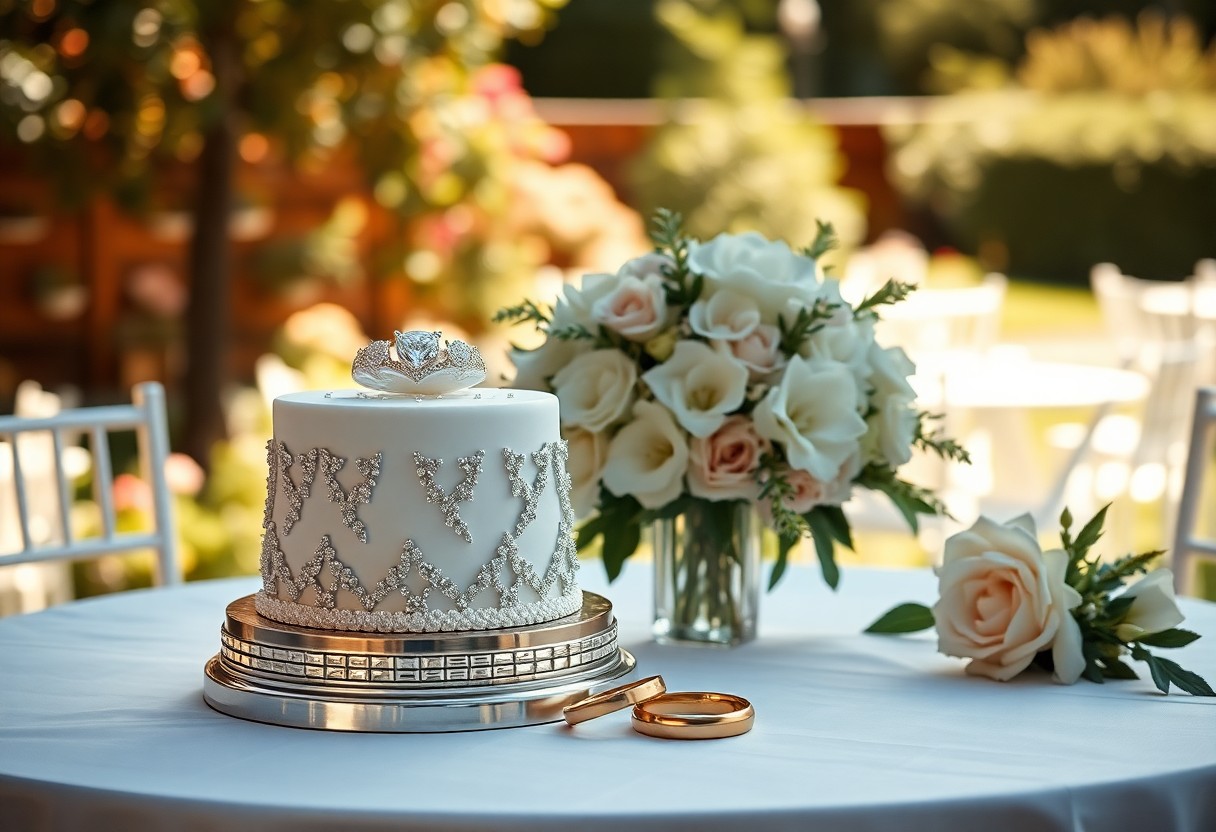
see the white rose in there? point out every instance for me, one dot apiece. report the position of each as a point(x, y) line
point(588, 453)
point(1003, 600)
point(752, 265)
point(813, 415)
point(724, 316)
point(636, 307)
point(847, 341)
point(890, 368)
point(648, 265)
point(574, 306)
point(892, 429)
point(535, 368)
point(699, 386)
point(760, 351)
point(648, 457)
point(1155, 608)
point(723, 465)
point(595, 389)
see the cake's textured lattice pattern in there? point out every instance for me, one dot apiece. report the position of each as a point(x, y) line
point(360, 494)
point(506, 573)
point(296, 494)
point(462, 493)
point(521, 488)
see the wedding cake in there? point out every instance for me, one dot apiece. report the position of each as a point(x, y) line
point(419, 507)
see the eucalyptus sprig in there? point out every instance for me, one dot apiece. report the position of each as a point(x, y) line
point(825, 241)
point(893, 291)
point(667, 234)
point(937, 441)
point(524, 312)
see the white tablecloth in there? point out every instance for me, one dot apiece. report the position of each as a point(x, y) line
point(103, 726)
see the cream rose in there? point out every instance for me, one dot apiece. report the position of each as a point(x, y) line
point(699, 386)
point(648, 457)
point(636, 307)
point(892, 429)
point(751, 265)
point(587, 454)
point(724, 316)
point(722, 466)
point(848, 342)
point(1155, 608)
point(595, 389)
point(759, 351)
point(534, 368)
point(1003, 600)
point(813, 415)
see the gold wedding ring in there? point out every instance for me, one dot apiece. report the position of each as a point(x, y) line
point(694, 716)
point(616, 699)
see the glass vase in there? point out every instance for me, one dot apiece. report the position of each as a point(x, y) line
point(707, 574)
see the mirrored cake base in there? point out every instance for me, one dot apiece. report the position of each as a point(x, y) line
point(411, 683)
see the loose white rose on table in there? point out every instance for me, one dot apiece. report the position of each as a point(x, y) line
point(1005, 604)
point(708, 377)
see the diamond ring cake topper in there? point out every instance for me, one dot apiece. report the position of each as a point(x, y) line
point(421, 367)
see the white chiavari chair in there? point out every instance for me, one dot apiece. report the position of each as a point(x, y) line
point(146, 417)
point(1190, 540)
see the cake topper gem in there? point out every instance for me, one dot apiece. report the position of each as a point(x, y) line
point(421, 367)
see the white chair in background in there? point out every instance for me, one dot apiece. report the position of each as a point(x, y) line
point(1142, 455)
point(36, 543)
point(1190, 541)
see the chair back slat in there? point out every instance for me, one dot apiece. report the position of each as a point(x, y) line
point(23, 505)
point(147, 418)
point(61, 487)
point(1188, 541)
point(103, 479)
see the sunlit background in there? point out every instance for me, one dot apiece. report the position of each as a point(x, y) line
point(231, 198)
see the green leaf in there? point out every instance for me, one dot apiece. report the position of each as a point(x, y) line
point(784, 545)
point(1092, 530)
point(1116, 669)
point(1118, 608)
point(589, 531)
point(836, 522)
point(905, 618)
point(1165, 671)
point(825, 550)
point(1176, 637)
point(620, 541)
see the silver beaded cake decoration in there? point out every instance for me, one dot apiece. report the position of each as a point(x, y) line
point(462, 493)
point(360, 494)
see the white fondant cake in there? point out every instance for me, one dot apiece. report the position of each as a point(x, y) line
point(405, 514)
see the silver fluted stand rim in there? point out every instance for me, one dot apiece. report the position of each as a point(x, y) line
point(285, 675)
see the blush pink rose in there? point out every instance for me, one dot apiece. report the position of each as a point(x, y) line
point(636, 308)
point(722, 466)
point(759, 351)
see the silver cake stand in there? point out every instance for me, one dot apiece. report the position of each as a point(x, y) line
point(411, 683)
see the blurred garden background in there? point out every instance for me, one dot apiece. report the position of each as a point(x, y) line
point(232, 198)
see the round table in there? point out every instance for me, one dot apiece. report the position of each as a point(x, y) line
point(103, 726)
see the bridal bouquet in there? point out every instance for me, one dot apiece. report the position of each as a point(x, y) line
point(1007, 605)
point(708, 380)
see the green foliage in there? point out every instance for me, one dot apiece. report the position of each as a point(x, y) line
point(904, 618)
point(1102, 153)
point(735, 153)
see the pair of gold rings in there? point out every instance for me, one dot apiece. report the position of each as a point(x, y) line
point(671, 716)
